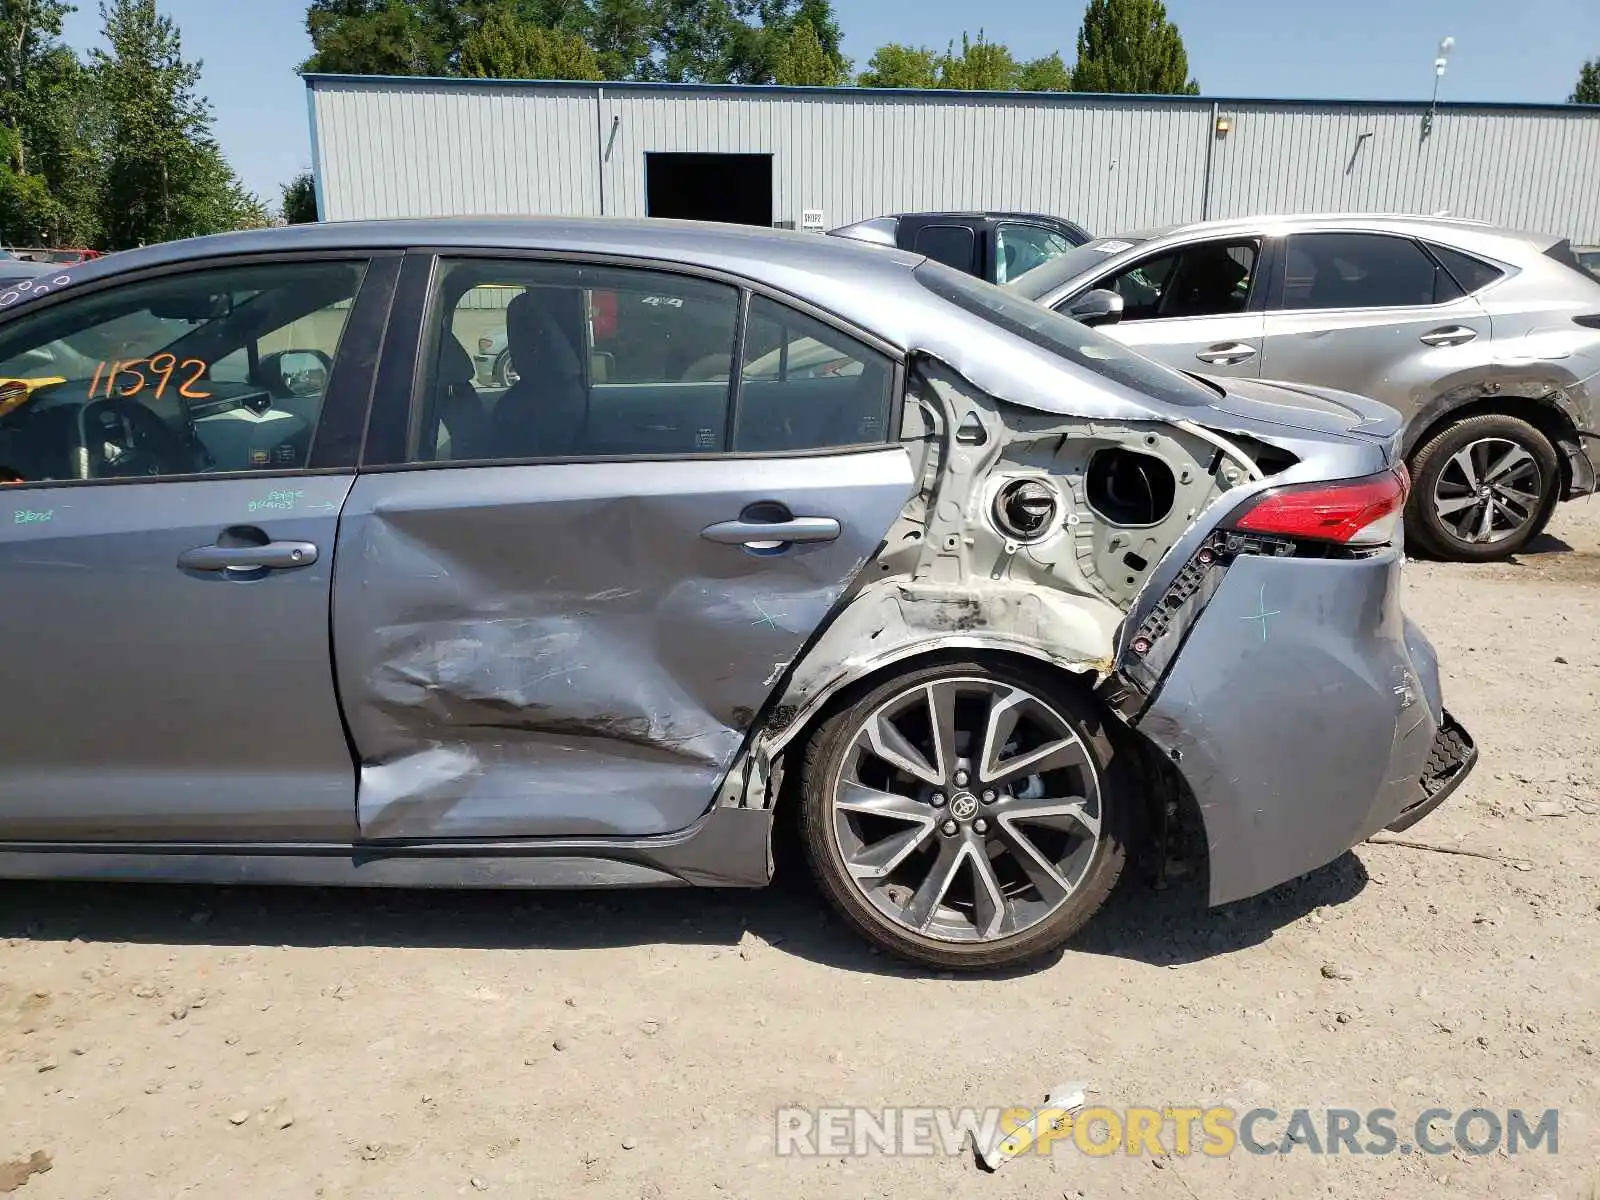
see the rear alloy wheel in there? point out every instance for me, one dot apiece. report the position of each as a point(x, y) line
point(965, 815)
point(504, 373)
point(1482, 489)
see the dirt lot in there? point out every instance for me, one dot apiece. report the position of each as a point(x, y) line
point(162, 1042)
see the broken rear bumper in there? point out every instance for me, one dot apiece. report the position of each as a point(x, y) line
point(1449, 763)
point(1304, 712)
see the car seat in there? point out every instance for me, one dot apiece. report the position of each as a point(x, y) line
point(544, 414)
point(460, 412)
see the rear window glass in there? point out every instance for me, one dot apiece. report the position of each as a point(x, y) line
point(1471, 273)
point(1064, 337)
point(949, 244)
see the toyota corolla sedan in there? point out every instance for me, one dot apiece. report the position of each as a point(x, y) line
point(291, 597)
point(1486, 340)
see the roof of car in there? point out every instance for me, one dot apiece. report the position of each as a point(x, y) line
point(696, 242)
point(1400, 221)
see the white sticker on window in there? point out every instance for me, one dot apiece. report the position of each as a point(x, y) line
point(1111, 247)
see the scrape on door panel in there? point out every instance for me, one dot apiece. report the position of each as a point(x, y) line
point(562, 650)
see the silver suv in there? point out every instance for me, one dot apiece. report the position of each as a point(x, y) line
point(1487, 341)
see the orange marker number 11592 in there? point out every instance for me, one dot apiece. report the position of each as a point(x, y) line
point(133, 379)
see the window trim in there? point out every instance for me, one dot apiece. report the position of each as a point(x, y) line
point(1430, 246)
point(412, 321)
point(1277, 307)
point(348, 377)
point(1254, 302)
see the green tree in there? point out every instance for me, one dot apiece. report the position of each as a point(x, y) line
point(49, 118)
point(1130, 46)
point(802, 61)
point(381, 37)
point(1047, 74)
point(165, 176)
point(299, 202)
point(694, 40)
point(900, 66)
point(982, 66)
point(506, 47)
point(621, 35)
point(1588, 89)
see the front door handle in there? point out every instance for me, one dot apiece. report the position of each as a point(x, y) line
point(767, 533)
point(1227, 354)
point(1448, 335)
point(275, 556)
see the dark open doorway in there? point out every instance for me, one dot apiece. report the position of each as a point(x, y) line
point(709, 187)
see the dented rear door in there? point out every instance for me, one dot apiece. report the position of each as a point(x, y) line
point(562, 650)
point(537, 649)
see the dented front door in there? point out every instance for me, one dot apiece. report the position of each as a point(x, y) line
point(577, 649)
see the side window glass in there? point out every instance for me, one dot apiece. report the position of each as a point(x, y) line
point(953, 245)
point(1024, 247)
point(1361, 270)
point(1212, 280)
point(560, 360)
point(219, 370)
point(806, 386)
point(1142, 286)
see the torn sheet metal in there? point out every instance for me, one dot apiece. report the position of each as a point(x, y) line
point(949, 579)
point(554, 651)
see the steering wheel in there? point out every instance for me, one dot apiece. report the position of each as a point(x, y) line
point(142, 443)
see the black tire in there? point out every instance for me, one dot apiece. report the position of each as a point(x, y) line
point(1429, 532)
point(502, 369)
point(827, 756)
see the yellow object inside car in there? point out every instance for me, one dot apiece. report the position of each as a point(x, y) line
point(14, 393)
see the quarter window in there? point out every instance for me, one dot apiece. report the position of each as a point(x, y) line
point(1471, 273)
point(1212, 279)
point(806, 386)
point(1361, 270)
point(219, 370)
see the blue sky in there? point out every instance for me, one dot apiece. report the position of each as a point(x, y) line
point(1529, 50)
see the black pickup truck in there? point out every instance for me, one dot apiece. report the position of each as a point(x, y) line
point(996, 246)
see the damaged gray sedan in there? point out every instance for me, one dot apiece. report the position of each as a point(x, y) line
point(762, 520)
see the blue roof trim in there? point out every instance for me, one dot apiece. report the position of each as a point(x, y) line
point(1068, 98)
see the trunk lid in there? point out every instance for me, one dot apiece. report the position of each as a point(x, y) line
point(1302, 406)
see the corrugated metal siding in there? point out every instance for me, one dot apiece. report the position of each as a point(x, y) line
point(1524, 169)
point(400, 152)
point(396, 147)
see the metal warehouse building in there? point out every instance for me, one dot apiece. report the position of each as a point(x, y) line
point(815, 157)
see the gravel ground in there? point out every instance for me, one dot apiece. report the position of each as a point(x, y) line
point(159, 1041)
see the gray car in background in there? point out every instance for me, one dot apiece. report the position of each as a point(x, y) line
point(1487, 341)
point(989, 598)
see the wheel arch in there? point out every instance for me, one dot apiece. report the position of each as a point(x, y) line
point(1546, 413)
point(1142, 773)
point(846, 689)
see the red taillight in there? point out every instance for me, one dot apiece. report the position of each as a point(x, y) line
point(1358, 512)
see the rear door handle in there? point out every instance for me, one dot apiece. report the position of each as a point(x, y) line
point(1228, 354)
point(1449, 335)
point(796, 529)
point(276, 556)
